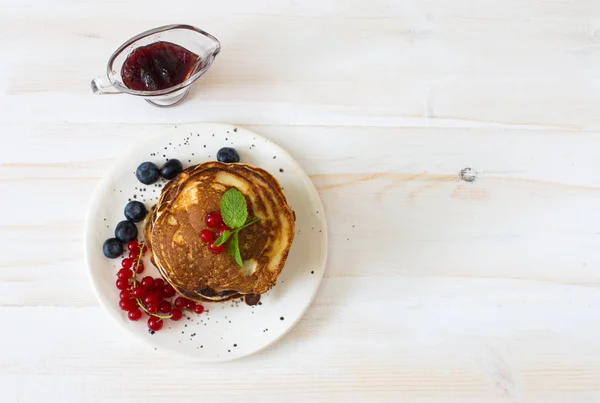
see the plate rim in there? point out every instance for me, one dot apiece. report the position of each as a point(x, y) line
point(94, 201)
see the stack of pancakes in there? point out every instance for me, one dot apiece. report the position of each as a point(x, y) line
point(172, 233)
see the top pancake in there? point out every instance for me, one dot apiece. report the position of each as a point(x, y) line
point(172, 232)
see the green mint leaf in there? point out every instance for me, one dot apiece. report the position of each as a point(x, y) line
point(234, 249)
point(233, 208)
point(223, 238)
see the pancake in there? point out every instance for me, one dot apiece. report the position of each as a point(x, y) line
point(172, 232)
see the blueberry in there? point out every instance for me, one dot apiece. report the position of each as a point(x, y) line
point(135, 211)
point(112, 248)
point(126, 231)
point(171, 169)
point(228, 155)
point(147, 173)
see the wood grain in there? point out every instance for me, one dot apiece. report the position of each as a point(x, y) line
point(436, 290)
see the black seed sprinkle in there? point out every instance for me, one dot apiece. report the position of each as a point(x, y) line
point(235, 129)
point(281, 318)
point(312, 272)
point(235, 345)
point(280, 169)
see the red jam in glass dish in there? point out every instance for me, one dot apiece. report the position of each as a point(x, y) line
point(158, 66)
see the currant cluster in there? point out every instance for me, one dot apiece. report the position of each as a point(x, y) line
point(213, 220)
point(149, 295)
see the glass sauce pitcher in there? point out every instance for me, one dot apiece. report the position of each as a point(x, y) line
point(201, 43)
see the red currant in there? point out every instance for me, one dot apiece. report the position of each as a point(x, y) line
point(122, 284)
point(180, 302)
point(207, 235)
point(125, 274)
point(160, 294)
point(147, 282)
point(217, 250)
point(198, 309)
point(213, 219)
point(133, 246)
point(190, 305)
point(134, 314)
point(139, 292)
point(143, 249)
point(140, 268)
point(176, 314)
point(127, 263)
point(134, 255)
point(152, 307)
point(159, 283)
point(155, 323)
point(150, 299)
point(169, 291)
point(222, 229)
point(125, 295)
point(164, 307)
point(125, 304)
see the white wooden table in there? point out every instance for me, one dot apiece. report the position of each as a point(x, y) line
point(437, 289)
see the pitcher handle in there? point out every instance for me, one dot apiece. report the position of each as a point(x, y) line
point(101, 85)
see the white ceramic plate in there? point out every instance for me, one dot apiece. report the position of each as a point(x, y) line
point(228, 330)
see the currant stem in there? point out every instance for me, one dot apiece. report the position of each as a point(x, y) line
point(139, 302)
point(134, 278)
point(227, 236)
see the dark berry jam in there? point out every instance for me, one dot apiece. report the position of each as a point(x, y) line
point(158, 66)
